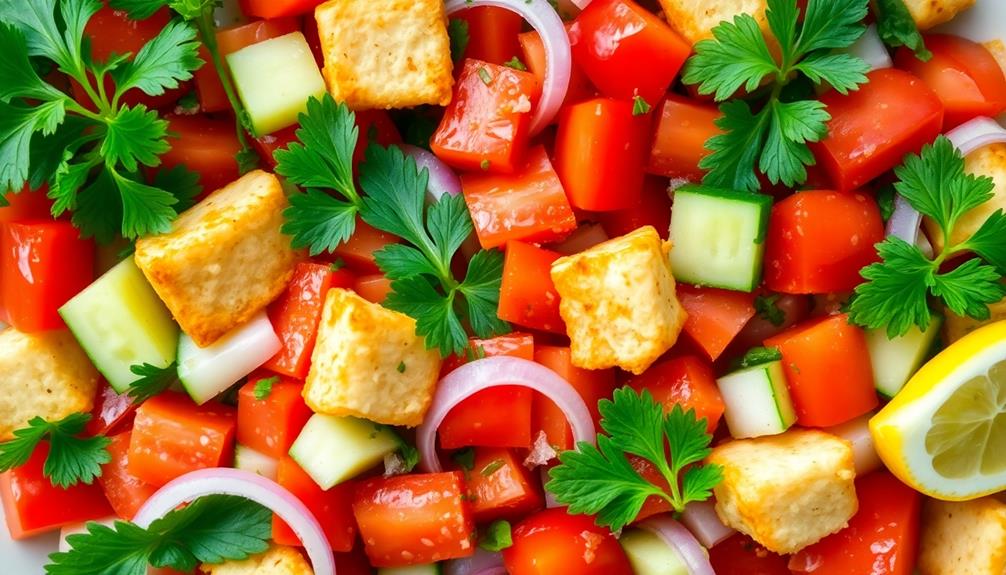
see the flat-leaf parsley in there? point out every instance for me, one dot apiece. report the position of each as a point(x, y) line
point(71, 460)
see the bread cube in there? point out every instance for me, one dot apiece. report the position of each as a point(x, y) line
point(370, 363)
point(963, 538)
point(786, 491)
point(930, 13)
point(619, 303)
point(277, 560)
point(695, 19)
point(986, 161)
point(392, 54)
point(224, 260)
point(42, 374)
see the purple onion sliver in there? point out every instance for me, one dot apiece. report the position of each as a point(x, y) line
point(443, 180)
point(682, 541)
point(701, 519)
point(481, 563)
point(977, 133)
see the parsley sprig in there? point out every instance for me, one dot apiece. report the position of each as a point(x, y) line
point(212, 529)
point(71, 460)
point(774, 138)
point(601, 480)
point(896, 27)
point(152, 381)
point(896, 292)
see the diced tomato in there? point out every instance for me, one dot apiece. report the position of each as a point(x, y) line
point(794, 309)
point(205, 146)
point(487, 125)
point(679, 143)
point(112, 411)
point(552, 541)
point(173, 436)
point(740, 555)
point(873, 128)
point(497, 417)
point(812, 354)
point(881, 538)
point(278, 8)
point(32, 505)
point(373, 288)
point(313, 37)
point(124, 491)
point(376, 127)
point(654, 505)
point(414, 519)
point(533, 51)
point(652, 209)
point(271, 425)
point(512, 344)
point(296, 314)
point(600, 149)
point(626, 50)
point(27, 205)
point(592, 385)
point(42, 265)
point(209, 88)
point(527, 295)
point(687, 381)
point(353, 562)
point(492, 33)
point(818, 241)
point(332, 508)
point(267, 145)
point(358, 252)
point(964, 74)
point(715, 316)
point(501, 487)
point(529, 205)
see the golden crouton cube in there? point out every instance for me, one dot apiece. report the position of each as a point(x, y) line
point(695, 19)
point(42, 374)
point(619, 303)
point(930, 13)
point(370, 363)
point(277, 560)
point(986, 161)
point(957, 326)
point(224, 260)
point(786, 491)
point(963, 538)
point(998, 50)
point(392, 54)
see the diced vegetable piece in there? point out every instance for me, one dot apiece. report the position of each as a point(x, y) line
point(204, 145)
point(592, 385)
point(207, 372)
point(501, 487)
point(679, 143)
point(649, 555)
point(275, 79)
point(552, 541)
point(718, 237)
point(492, 33)
point(332, 508)
point(358, 252)
point(527, 294)
point(271, 424)
point(757, 401)
point(373, 288)
point(741, 555)
point(895, 360)
point(42, 265)
point(687, 381)
point(32, 505)
point(173, 436)
point(125, 492)
point(431, 569)
point(533, 56)
point(112, 411)
point(715, 316)
point(412, 519)
point(256, 462)
point(278, 8)
point(333, 449)
point(652, 209)
point(812, 354)
point(120, 322)
point(513, 344)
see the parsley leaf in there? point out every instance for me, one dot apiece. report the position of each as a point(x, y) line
point(600, 480)
point(153, 380)
point(457, 32)
point(774, 139)
point(212, 529)
point(896, 292)
point(497, 536)
point(896, 27)
point(71, 459)
point(162, 63)
point(640, 106)
point(767, 309)
point(263, 387)
point(516, 64)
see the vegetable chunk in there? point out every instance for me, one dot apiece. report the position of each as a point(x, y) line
point(224, 260)
point(277, 560)
point(930, 13)
point(695, 19)
point(963, 538)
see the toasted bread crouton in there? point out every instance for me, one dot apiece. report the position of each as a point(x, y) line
point(42, 374)
point(370, 363)
point(695, 19)
point(930, 13)
point(998, 50)
point(392, 54)
point(277, 560)
point(224, 260)
point(786, 491)
point(986, 161)
point(956, 327)
point(619, 303)
point(963, 538)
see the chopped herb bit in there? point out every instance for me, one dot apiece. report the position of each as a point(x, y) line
point(516, 64)
point(263, 387)
point(767, 308)
point(484, 76)
point(492, 467)
point(497, 537)
point(640, 106)
point(71, 460)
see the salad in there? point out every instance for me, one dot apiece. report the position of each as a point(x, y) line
point(487, 287)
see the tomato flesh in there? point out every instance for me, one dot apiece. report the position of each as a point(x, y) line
point(686, 381)
point(592, 385)
point(527, 295)
point(331, 508)
point(125, 492)
point(715, 316)
point(552, 541)
point(271, 424)
point(501, 487)
point(679, 142)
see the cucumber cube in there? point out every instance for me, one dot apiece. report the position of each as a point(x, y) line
point(332, 449)
point(428, 569)
point(649, 555)
point(718, 237)
point(757, 401)
point(248, 459)
point(274, 80)
point(120, 322)
point(896, 360)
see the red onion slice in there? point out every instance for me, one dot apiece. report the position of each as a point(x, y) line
point(481, 563)
point(701, 519)
point(857, 432)
point(443, 180)
point(558, 58)
point(682, 541)
point(225, 481)
point(490, 372)
point(977, 133)
point(872, 50)
point(905, 221)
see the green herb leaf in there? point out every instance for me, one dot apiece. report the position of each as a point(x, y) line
point(152, 382)
point(318, 221)
point(138, 9)
point(897, 27)
point(465, 458)
point(497, 536)
point(71, 459)
point(134, 137)
point(170, 58)
point(263, 387)
point(767, 308)
point(516, 64)
point(758, 356)
point(457, 32)
point(407, 451)
point(640, 106)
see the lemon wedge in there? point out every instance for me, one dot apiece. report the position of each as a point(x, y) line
point(944, 434)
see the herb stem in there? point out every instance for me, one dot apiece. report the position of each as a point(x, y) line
point(208, 33)
point(76, 108)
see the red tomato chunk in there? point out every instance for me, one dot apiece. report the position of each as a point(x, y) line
point(124, 491)
point(679, 143)
point(715, 316)
point(552, 541)
point(501, 487)
point(270, 425)
point(592, 385)
point(527, 295)
point(331, 508)
point(687, 381)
